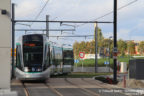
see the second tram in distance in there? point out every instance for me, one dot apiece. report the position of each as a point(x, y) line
point(37, 58)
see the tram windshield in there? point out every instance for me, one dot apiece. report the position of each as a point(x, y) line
point(68, 53)
point(33, 56)
point(33, 51)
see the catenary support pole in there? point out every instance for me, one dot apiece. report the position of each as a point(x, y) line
point(115, 41)
point(13, 37)
point(109, 54)
point(47, 26)
point(96, 46)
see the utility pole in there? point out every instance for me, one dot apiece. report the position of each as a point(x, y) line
point(13, 37)
point(47, 26)
point(96, 46)
point(115, 42)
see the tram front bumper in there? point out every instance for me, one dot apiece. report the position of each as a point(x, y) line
point(32, 75)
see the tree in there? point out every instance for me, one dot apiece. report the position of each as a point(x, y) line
point(141, 47)
point(122, 46)
point(100, 39)
point(131, 47)
point(76, 49)
point(82, 46)
point(105, 45)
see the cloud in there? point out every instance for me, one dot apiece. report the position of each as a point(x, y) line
point(124, 34)
point(134, 33)
point(131, 12)
point(26, 8)
point(129, 18)
point(78, 9)
point(137, 38)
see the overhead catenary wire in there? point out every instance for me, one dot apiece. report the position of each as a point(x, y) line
point(77, 36)
point(24, 24)
point(126, 5)
point(40, 11)
point(117, 9)
point(40, 21)
point(76, 21)
point(44, 30)
point(74, 36)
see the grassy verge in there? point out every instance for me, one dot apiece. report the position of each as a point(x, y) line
point(91, 62)
point(80, 75)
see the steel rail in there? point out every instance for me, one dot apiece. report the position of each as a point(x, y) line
point(25, 89)
point(84, 89)
point(53, 89)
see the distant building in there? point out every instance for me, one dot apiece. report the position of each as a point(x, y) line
point(91, 56)
point(136, 47)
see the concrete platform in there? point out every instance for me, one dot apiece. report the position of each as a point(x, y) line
point(7, 92)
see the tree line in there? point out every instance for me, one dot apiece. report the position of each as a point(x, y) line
point(106, 44)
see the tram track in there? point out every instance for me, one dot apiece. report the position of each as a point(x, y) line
point(99, 85)
point(48, 88)
point(82, 88)
point(53, 89)
point(25, 89)
point(27, 93)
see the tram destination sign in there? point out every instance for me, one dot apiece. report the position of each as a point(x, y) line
point(81, 55)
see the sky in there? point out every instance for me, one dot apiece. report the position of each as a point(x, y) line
point(130, 18)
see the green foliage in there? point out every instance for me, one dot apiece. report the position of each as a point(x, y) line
point(104, 45)
point(141, 47)
point(91, 62)
point(100, 39)
point(131, 47)
point(89, 47)
point(100, 35)
point(122, 46)
point(80, 75)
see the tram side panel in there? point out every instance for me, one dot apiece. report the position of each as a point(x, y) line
point(52, 58)
point(58, 60)
point(68, 60)
point(46, 59)
point(19, 65)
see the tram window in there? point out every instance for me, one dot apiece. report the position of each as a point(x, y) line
point(46, 54)
point(18, 61)
point(33, 38)
point(33, 59)
point(68, 54)
point(33, 56)
point(51, 56)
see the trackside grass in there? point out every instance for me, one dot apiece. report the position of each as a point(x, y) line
point(91, 62)
point(80, 75)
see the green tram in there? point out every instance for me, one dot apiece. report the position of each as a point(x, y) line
point(37, 58)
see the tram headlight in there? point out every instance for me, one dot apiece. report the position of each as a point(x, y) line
point(39, 70)
point(26, 69)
